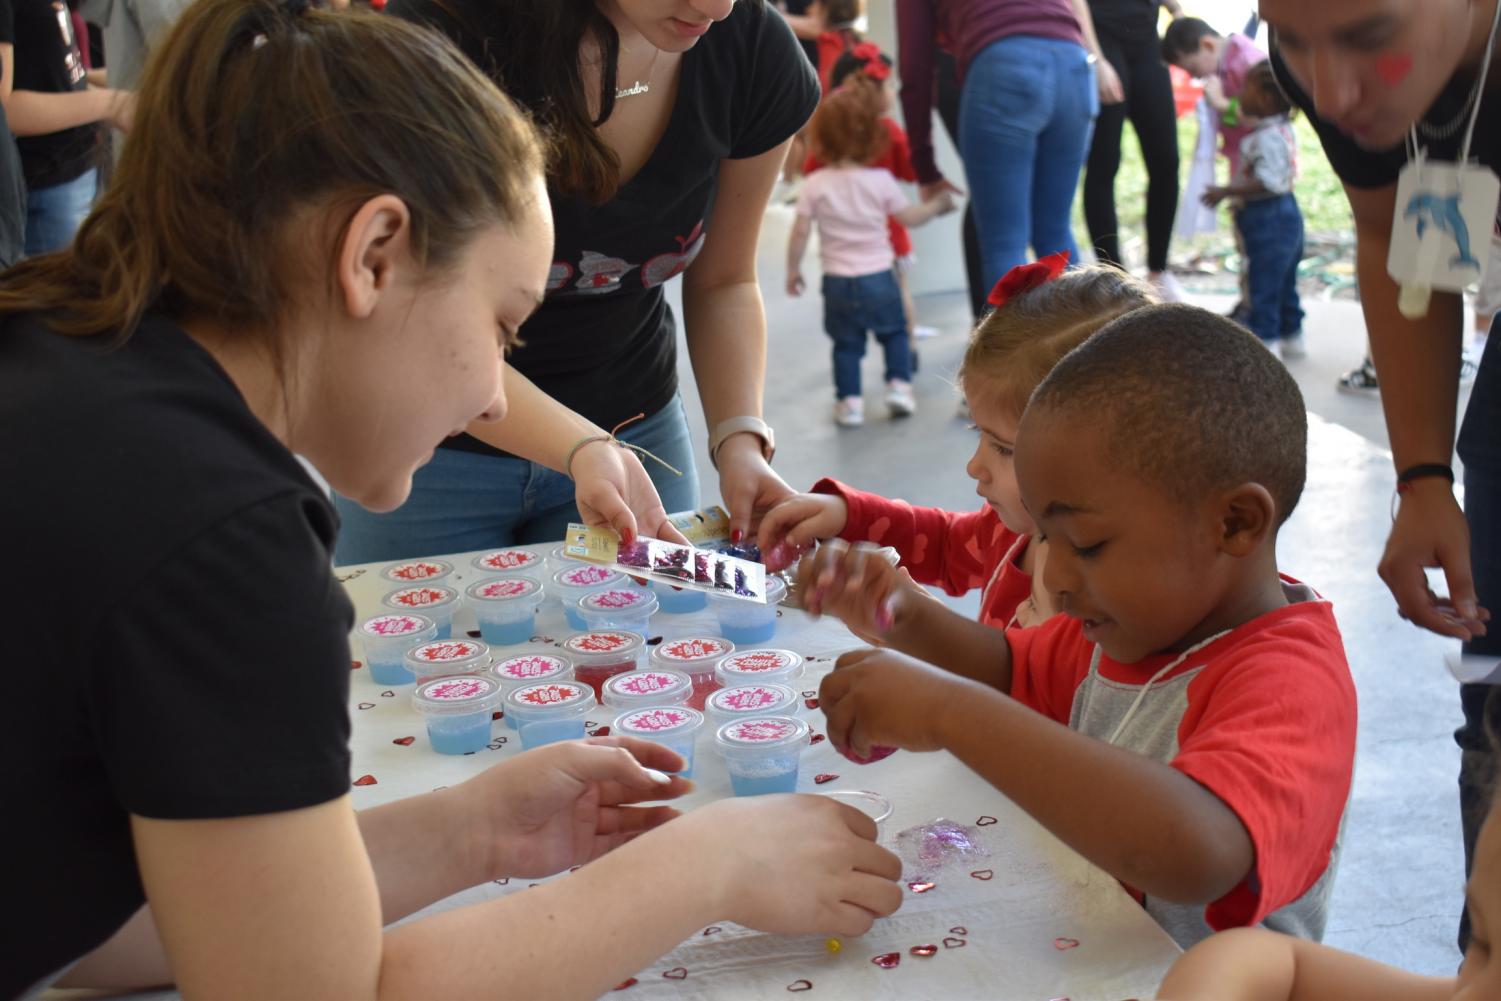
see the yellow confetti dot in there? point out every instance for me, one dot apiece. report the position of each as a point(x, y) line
point(833, 945)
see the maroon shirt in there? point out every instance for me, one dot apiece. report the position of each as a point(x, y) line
point(967, 26)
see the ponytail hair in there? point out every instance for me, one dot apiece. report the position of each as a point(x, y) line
point(251, 114)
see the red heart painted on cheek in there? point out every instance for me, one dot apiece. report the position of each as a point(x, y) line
point(1394, 67)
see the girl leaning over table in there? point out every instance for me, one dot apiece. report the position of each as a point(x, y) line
point(322, 234)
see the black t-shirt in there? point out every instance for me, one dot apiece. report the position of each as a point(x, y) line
point(1362, 168)
point(178, 643)
point(47, 60)
point(604, 342)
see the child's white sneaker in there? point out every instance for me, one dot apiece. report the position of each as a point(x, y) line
point(899, 398)
point(849, 411)
point(1294, 346)
point(1166, 285)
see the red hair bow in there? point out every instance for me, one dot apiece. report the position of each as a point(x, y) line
point(869, 53)
point(1026, 277)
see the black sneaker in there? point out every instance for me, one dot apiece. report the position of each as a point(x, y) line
point(1361, 381)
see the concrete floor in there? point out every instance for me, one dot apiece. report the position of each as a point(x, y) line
point(1400, 882)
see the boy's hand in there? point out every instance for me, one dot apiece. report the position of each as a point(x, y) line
point(791, 528)
point(880, 698)
point(795, 284)
point(1213, 195)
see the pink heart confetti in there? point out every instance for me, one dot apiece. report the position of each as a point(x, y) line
point(626, 983)
point(817, 738)
point(986, 821)
point(800, 985)
point(887, 960)
point(355, 665)
point(825, 777)
point(983, 873)
point(496, 715)
point(958, 930)
point(920, 886)
point(923, 951)
point(676, 973)
point(811, 703)
point(404, 741)
point(602, 731)
point(954, 943)
point(1062, 944)
point(475, 634)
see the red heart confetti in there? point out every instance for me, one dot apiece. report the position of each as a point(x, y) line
point(877, 753)
point(985, 821)
point(625, 983)
point(811, 703)
point(388, 695)
point(800, 985)
point(676, 973)
point(1062, 944)
point(887, 960)
point(355, 665)
point(958, 930)
point(817, 738)
point(809, 695)
point(475, 634)
point(712, 930)
point(602, 731)
point(983, 873)
point(404, 741)
point(496, 715)
point(954, 943)
point(920, 886)
point(923, 951)
point(365, 780)
point(366, 705)
point(825, 777)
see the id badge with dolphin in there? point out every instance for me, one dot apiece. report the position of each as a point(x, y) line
point(1441, 233)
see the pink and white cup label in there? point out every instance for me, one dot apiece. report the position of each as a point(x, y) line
point(616, 600)
point(504, 589)
point(759, 662)
point(657, 720)
point(393, 625)
point(462, 689)
point(644, 683)
point(761, 731)
point(507, 559)
point(748, 699)
point(551, 696)
point(530, 668)
point(694, 649)
point(417, 571)
point(588, 576)
point(421, 597)
point(445, 651)
point(601, 642)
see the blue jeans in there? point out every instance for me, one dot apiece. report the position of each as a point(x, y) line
point(1272, 229)
point(54, 214)
point(1480, 448)
point(464, 500)
point(1025, 121)
point(851, 308)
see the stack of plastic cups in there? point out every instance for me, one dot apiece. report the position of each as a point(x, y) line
point(506, 608)
point(571, 584)
point(387, 638)
point(553, 711)
point(746, 622)
point(442, 658)
point(508, 563)
point(750, 701)
point(762, 754)
point(458, 711)
point(674, 727)
point(695, 656)
point(436, 601)
point(529, 669)
point(598, 656)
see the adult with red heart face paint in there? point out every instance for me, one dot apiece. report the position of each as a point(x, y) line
point(670, 120)
point(1370, 73)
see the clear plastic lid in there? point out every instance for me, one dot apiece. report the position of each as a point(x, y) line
point(434, 596)
point(448, 657)
point(506, 561)
point(417, 571)
point(745, 701)
point(627, 600)
point(694, 654)
point(552, 700)
point(504, 589)
point(647, 688)
point(659, 722)
point(587, 575)
point(460, 694)
point(394, 627)
point(603, 646)
point(531, 669)
point(761, 733)
point(758, 665)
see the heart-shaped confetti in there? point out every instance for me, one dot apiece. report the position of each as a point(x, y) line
point(654, 641)
point(809, 695)
point(958, 930)
point(404, 741)
point(589, 724)
point(355, 665)
point(388, 695)
point(1062, 944)
point(986, 821)
point(366, 705)
point(954, 943)
point(365, 780)
point(817, 738)
point(800, 985)
point(887, 960)
point(923, 951)
point(983, 873)
point(496, 715)
point(920, 886)
point(811, 703)
point(601, 731)
point(502, 881)
point(475, 634)
point(712, 930)
point(676, 973)
point(626, 983)
point(877, 753)
point(825, 777)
